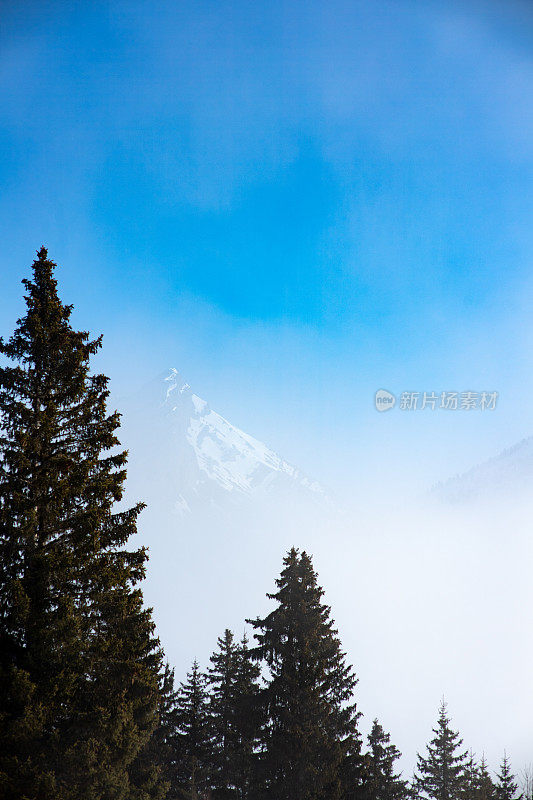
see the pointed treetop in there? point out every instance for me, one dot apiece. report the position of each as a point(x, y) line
point(43, 269)
point(506, 786)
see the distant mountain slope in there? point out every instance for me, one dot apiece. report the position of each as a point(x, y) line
point(206, 461)
point(511, 470)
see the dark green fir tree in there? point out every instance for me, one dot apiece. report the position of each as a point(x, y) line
point(308, 699)
point(233, 679)
point(194, 750)
point(383, 781)
point(506, 787)
point(78, 659)
point(441, 774)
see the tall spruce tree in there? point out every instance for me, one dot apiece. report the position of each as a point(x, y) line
point(308, 698)
point(506, 786)
point(78, 659)
point(233, 679)
point(194, 748)
point(441, 775)
point(383, 782)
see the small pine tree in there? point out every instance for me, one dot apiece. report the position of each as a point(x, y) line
point(485, 789)
point(413, 791)
point(78, 659)
point(309, 691)
point(155, 770)
point(194, 755)
point(221, 678)
point(478, 785)
point(248, 719)
point(383, 781)
point(506, 786)
point(441, 775)
point(354, 770)
point(233, 683)
point(471, 773)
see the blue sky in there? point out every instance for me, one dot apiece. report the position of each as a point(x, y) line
point(295, 204)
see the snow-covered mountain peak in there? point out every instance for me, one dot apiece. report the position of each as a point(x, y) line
point(215, 459)
point(175, 385)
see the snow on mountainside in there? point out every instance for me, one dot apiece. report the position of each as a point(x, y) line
point(509, 471)
point(210, 462)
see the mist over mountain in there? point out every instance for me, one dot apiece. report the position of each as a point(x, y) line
point(223, 507)
point(509, 472)
point(198, 462)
